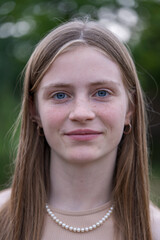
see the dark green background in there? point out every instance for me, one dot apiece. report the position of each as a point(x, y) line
point(24, 23)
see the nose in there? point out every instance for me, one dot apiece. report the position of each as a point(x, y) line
point(82, 112)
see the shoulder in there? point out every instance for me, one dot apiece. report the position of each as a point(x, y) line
point(4, 196)
point(155, 221)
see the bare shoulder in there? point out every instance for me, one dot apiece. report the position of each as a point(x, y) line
point(4, 196)
point(155, 221)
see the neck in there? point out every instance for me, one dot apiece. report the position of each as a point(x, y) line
point(78, 187)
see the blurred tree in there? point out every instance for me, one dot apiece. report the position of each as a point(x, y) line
point(24, 23)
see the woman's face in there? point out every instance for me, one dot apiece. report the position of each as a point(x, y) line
point(82, 106)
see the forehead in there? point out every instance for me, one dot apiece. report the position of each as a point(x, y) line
point(82, 63)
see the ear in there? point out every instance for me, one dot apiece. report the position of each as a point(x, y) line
point(129, 115)
point(34, 115)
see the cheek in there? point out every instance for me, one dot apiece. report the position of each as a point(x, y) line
point(113, 116)
point(51, 118)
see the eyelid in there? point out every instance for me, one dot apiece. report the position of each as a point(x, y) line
point(69, 95)
point(52, 95)
point(103, 89)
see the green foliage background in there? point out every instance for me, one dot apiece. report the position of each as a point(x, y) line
point(24, 23)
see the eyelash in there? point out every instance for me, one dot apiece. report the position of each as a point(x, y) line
point(56, 94)
point(104, 91)
point(107, 92)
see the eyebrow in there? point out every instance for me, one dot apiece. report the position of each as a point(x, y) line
point(67, 85)
point(103, 82)
point(57, 85)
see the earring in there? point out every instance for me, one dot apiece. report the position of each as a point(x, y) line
point(33, 120)
point(40, 131)
point(128, 129)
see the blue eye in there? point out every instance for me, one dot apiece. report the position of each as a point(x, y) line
point(60, 95)
point(102, 93)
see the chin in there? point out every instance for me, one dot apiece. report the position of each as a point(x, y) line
point(82, 158)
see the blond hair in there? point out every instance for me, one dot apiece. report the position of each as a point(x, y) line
point(23, 215)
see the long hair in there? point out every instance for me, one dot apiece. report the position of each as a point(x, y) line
point(23, 215)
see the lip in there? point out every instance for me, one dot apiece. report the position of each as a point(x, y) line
point(83, 134)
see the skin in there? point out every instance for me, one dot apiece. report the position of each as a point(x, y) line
point(82, 171)
point(94, 98)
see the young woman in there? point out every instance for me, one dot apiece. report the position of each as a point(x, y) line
point(82, 165)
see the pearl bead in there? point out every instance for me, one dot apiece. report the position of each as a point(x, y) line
point(66, 227)
point(78, 229)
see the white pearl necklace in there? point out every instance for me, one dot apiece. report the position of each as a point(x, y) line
point(78, 229)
